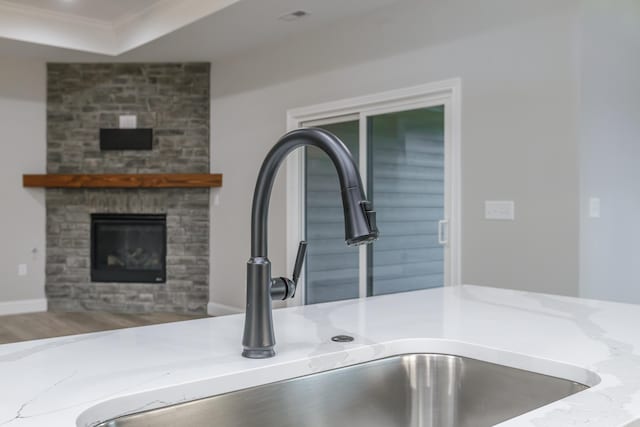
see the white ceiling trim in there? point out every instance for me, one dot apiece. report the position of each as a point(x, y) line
point(130, 17)
point(55, 29)
point(164, 18)
point(38, 12)
point(46, 27)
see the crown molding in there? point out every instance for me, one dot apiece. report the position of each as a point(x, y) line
point(130, 17)
point(33, 25)
point(163, 18)
point(27, 10)
point(45, 27)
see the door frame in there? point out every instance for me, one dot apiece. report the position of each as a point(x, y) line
point(447, 93)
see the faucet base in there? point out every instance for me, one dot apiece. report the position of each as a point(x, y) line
point(263, 353)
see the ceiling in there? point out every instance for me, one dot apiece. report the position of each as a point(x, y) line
point(107, 11)
point(159, 30)
point(249, 24)
point(106, 27)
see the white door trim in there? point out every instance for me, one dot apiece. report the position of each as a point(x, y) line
point(447, 93)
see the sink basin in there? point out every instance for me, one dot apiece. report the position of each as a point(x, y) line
point(417, 390)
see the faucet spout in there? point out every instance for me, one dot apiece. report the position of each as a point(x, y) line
point(360, 228)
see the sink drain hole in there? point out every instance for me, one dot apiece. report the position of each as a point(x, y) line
point(342, 338)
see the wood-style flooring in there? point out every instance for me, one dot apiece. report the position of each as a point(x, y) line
point(31, 326)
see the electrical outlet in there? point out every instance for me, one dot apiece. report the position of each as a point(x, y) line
point(594, 207)
point(22, 269)
point(499, 209)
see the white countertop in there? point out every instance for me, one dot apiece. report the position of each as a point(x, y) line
point(84, 379)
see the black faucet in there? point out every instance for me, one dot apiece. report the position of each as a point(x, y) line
point(359, 227)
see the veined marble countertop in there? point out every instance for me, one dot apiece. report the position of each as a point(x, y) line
point(85, 379)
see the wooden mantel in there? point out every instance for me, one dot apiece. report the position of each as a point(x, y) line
point(177, 180)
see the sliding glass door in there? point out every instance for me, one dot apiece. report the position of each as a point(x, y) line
point(332, 268)
point(402, 158)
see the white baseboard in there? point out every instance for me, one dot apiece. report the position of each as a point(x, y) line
point(215, 309)
point(23, 306)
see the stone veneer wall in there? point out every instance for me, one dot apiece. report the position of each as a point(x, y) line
point(173, 99)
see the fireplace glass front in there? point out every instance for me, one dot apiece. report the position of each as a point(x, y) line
point(128, 248)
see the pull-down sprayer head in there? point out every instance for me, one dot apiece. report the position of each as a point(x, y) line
point(359, 217)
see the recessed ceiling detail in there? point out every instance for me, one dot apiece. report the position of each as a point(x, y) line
point(99, 26)
point(106, 11)
point(162, 30)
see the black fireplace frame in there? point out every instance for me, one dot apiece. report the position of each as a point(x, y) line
point(127, 276)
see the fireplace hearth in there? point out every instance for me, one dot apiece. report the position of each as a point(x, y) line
point(128, 248)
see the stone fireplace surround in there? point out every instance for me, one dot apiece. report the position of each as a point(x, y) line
point(173, 99)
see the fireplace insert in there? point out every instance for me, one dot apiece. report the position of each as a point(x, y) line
point(128, 248)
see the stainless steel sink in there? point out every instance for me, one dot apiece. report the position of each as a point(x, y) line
point(418, 390)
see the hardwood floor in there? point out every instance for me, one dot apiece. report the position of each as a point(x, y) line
point(30, 326)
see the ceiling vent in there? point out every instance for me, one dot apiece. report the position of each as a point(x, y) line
point(293, 16)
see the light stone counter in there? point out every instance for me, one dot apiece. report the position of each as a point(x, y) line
point(85, 379)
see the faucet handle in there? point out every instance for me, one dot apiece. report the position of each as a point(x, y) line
point(283, 288)
point(297, 269)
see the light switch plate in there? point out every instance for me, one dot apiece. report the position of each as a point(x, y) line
point(499, 209)
point(22, 269)
point(128, 121)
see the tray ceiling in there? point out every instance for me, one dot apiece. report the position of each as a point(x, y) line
point(160, 30)
point(108, 11)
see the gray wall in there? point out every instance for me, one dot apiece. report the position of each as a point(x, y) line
point(610, 149)
point(22, 150)
point(518, 64)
